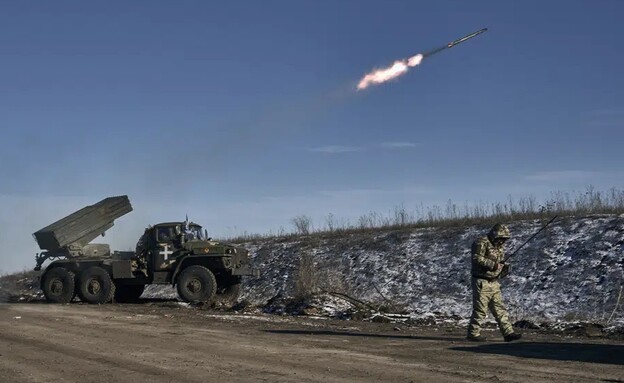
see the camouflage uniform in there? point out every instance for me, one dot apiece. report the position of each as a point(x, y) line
point(487, 257)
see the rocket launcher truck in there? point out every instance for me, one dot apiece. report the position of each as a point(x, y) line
point(175, 253)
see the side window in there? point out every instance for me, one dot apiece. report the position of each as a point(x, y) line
point(165, 234)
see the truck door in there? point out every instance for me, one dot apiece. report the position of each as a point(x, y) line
point(162, 255)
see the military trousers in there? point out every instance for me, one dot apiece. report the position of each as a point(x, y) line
point(486, 296)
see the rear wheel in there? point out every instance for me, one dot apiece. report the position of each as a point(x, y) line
point(128, 293)
point(58, 285)
point(197, 284)
point(95, 286)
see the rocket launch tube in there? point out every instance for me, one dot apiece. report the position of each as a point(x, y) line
point(453, 43)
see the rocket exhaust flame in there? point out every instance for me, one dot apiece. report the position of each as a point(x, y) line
point(395, 70)
point(401, 67)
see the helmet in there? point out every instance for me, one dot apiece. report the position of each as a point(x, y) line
point(499, 231)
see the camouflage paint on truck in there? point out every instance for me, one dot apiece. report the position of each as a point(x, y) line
point(177, 253)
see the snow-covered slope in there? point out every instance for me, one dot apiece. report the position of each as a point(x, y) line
point(572, 271)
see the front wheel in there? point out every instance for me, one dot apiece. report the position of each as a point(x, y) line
point(58, 285)
point(228, 295)
point(197, 284)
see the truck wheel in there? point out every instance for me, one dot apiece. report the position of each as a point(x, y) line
point(228, 294)
point(95, 286)
point(58, 285)
point(197, 284)
point(128, 293)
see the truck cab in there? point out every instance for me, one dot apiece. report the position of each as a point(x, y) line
point(171, 251)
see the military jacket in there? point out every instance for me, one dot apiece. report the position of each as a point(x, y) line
point(485, 258)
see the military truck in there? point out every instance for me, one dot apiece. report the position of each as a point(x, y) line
point(175, 253)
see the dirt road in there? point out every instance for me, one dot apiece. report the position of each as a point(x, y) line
point(163, 342)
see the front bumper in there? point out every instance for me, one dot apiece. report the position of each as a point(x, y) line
point(246, 270)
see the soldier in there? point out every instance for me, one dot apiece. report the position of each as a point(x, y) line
point(189, 233)
point(487, 265)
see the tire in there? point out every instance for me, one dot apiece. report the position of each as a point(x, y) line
point(95, 286)
point(128, 293)
point(58, 285)
point(196, 284)
point(228, 295)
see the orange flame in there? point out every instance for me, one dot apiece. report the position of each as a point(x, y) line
point(380, 76)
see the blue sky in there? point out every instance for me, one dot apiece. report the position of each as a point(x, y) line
point(244, 114)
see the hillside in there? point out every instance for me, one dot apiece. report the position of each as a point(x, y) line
point(573, 271)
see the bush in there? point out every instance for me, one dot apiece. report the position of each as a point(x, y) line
point(303, 224)
point(307, 281)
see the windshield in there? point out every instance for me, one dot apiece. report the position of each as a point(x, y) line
point(193, 232)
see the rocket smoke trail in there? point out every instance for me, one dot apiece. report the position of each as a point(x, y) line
point(400, 67)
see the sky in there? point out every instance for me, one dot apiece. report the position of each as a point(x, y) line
point(244, 114)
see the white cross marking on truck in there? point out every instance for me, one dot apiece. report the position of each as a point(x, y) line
point(165, 252)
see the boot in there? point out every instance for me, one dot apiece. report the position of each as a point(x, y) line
point(476, 338)
point(513, 336)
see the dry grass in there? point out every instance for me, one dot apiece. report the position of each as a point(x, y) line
point(591, 201)
point(307, 282)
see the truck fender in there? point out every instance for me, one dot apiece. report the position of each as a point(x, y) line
point(178, 269)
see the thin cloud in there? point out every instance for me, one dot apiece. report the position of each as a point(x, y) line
point(398, 145)
point(606, 118)
point(335, 149)
point(608, 112)
point(608, 123)
point(565, 175)
point(409, 190)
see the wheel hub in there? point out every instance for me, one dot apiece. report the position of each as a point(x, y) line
point(56, 287)
point(194, 286)
point(94, 286)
